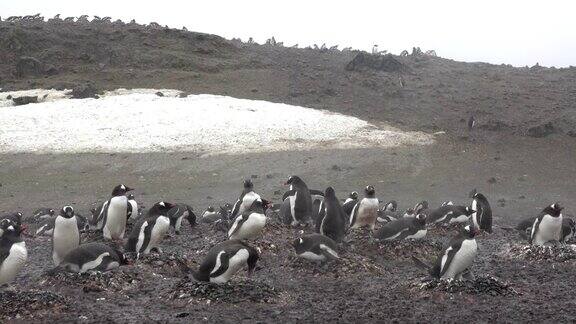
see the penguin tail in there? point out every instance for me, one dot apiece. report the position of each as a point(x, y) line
point(421, 264)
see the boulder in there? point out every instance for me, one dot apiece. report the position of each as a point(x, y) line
point(542, 130)
point(24, 100)
point(385, 63)
point(28, 66)
point(85, 90)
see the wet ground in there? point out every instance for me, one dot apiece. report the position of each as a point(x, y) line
point(372, 281)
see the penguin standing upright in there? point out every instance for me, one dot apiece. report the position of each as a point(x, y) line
point(365, 211)
point(93, 256)
point(115, 213)
point(150, 230)
point(350, 202)
point(456, 258)
point(316, 247)
point(247, 197)
point(296, 206)
point(13, 252)
point(403, 228)
point(178, 213)
point(250, 224)
point(65, 235)
point(548, 226)
point(482, 215)
point(332, 219)
point(133, 207)
point(224, 260)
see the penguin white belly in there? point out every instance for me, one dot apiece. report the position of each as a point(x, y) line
point(116, 218)
point(292, 208)
point(474, 216)
point(250, 229)
point(247, 201)
point(160, 229)
point(459, 219)
point(235, 263)
point(13, 263)
point(134, 205)
point(418, 235)
point(312, 256)
point(367, 213)
point(91, 265)
point(461, 261)
point(549, 229)
point(141, 237)
point(65, 238)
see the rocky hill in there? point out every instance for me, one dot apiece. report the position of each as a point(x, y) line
point(416, 91)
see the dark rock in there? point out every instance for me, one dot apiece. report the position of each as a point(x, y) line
point(336, 168)
point(571, 133)
point(9, 97)
point(542, 130)
point(159, 94)
point(51, 70)
point(492, 180)
point(24, 100)
point(385, 63)
point(86, 90)
point(28, 66)
point(277, 192)
point(182, 95)
point(269, 176)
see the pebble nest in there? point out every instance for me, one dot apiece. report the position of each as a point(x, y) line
point(484, 284)
point(121, 279)
point(556, 253)
point(17, 304)
point(169, 263)
point(234, 292)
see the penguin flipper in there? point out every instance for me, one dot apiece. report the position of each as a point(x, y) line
point(237, 224)
point(236, 208)
point(320, 218)
point(316, 192)
point(129, 210)
point(4, 253)
point(448, 257)
point(535, 228)
point(486, 220)
point(328, 252)
point(288, 194)
point(354, 214)
point(224, 264)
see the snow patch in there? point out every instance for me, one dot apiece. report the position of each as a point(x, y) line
point(140, 121)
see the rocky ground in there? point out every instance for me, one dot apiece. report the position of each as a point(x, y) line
point(520, 175)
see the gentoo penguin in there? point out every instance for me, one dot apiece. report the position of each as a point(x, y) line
point(421, 207)
point(331, 221)
point(247, 197)
point(447, 203)
point(296, 206)
point(149, 231)
point(450, 214)
point(115, 213)
point(92, 257)
point(65, 235)
point(365, 211)
point(211, 215)
point(568, 229)
point(15, 217)
point(456, 258)
point(471, 123)
point(548, 226)
point(178, 213)
point(402, 229)
point(316, 247)
point(133, 207)
point(350, 202)
point(389, 212)
point(224, 260)
point(525, 227)
point(13, 253)
point(250, 224)
point(317, 209)
point(482, 215)
point(46, 227)
point(41, 214)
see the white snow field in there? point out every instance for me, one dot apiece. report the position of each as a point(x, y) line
point(140, 121)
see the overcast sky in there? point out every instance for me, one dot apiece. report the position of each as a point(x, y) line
point(512, 32)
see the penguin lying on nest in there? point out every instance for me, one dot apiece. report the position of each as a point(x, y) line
point(456, 258)
point(90, 257)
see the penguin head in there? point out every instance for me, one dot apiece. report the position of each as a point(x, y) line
point(160, 208)
point(9, 228)
point(369, 191)
point(391, 206)
point(210, 209)
point(353, 195)
point(420, 219)
point(248, 184)
point(554, 210)
point(293, 180)
point(329, 192)
point(470, 231)
point(120, 190)
point(473, 193)
point(469, 211)
point(130, 197)
point(51, 212)
point(297, 244)
point(67, 212)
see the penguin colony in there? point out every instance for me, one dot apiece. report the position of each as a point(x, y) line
point(245, 222)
